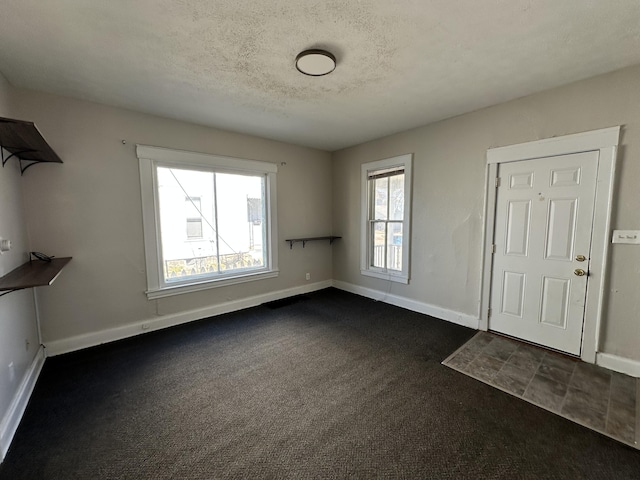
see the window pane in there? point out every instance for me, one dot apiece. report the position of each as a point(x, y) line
point(193, 207)
point(378, 231)
point(396, 197)
point(193, 215)
point(394, 246)
point(381, 198)
point(241, 225)
point(254, 210)
point(186, 196)
point(194, 228)
point(209, 246)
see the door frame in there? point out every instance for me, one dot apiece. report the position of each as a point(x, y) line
point(606, 142)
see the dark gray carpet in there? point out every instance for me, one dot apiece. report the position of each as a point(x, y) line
point(331, 385)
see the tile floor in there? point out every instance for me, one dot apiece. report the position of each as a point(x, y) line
point(592, 396)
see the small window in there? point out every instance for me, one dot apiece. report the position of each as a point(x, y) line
point(207, 220)
point(194, 228)
point(386, 211)
point(194, 218)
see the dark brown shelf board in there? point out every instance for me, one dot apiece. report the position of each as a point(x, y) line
point(24, 141)
point(35, 273)
point(304, 241)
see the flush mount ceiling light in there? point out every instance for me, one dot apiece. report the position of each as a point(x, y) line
point(315, 62)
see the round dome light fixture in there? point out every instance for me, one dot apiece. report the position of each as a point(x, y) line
point(315, 62)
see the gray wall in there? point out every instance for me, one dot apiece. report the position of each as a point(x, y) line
point(89, 208)
point(17, 312)
point(448, 193)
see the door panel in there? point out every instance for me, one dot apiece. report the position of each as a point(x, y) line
point(517, 241)
point(555, 301)
point(544, 215)
point(513, 294)
point(561, 227)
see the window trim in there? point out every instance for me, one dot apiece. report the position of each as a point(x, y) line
point(405, 161)
point(149, 158)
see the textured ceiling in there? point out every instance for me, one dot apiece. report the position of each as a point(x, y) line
point(230, 63)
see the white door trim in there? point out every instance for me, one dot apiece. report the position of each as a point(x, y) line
point(606, 142)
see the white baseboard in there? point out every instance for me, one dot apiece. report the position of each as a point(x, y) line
point(619, 364)
point(452, 316)
point(92, 339)
point(12, 418)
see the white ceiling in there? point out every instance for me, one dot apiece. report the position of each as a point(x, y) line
point(230, 63)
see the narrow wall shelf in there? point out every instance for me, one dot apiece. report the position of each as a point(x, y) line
point(24, 141)
point(304, 241)
point(34, 273)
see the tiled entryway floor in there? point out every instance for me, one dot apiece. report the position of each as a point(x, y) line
point(592, 396)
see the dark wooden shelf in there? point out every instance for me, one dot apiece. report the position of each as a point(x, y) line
point(35, 273)
point(304, 241)
point(24, 141)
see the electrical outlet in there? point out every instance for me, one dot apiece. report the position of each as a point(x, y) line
point(308, 276)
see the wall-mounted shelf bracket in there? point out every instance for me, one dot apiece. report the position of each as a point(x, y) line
point(14, 154)
point(304, 241)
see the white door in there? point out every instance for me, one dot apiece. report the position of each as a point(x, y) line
point(543, 222)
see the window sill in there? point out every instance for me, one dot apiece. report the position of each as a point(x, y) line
point(205, 285)
point(386, 276)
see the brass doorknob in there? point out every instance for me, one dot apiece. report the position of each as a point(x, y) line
point(580, 258)
point(579, 272)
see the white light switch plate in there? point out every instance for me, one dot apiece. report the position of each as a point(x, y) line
point(5, 245)
point(626, 236)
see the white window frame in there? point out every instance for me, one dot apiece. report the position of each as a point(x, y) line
point(149, 159)
point(405, 162)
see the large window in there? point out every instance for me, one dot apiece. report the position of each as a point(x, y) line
point(386, 211)
point(207, 220)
